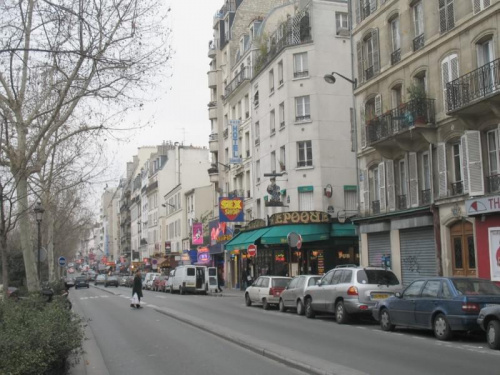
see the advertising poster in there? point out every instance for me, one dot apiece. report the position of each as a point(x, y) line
point(494, 241)
point(197, 234)
point(231, 209)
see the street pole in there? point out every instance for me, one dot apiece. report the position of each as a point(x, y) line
point(38, 216)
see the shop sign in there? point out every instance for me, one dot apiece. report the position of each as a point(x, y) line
point(220, 232)
point(168, 247)
point(231, 209)
point(197, 233)
point(494, 244)
point(203, 255)
point(321, 263)
point(479, 206)
point(279, 257)
point(299, 217)
point(255, 224)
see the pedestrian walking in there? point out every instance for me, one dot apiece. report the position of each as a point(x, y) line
point(137, 290)
point(220, 280)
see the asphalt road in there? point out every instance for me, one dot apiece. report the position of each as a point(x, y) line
point(146, 342)
point(321, 343)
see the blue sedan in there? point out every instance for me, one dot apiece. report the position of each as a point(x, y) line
point(441, 304)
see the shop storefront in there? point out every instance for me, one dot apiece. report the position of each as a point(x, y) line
point(486, 212)
point(220, 234)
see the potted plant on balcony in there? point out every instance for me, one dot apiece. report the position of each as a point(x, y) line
point(418, 106)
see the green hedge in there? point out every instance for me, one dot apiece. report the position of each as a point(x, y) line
point(37, 337)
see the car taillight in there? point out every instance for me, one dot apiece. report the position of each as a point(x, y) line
point(352, 291)
point(271, 291)
point(471, 307)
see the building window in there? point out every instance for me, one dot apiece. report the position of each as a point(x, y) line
point(280, 73)
point(282, 115)
point(420, 80)
point(350, 200)
point(368, 56)
point(257, 171)
point(306, 201)
point(365, 8)
point(300, 65)
point(271, 81)
point(396, 41)
point(341, 20)
point(272, 122)
point(418, 19)
point(302, 108)
point(257, 133)
point(397, 96)
point(282, 160)
point(304, 154)
point(247, 106)
point(493, 152)
point(273, 162)
point(457, 186)
point(374, 189)
point(256, 96)
point(479, 5)
point(446, 15)
point(450, 72)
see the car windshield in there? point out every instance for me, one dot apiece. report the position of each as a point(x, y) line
point(379, 277)
point(280, 283)
point(112, 278)
point(81, 278)
point(475, 287)
point(101, 277)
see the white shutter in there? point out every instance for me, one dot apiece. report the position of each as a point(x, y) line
point(373, 6)
point(407, 181)
point(474, 159)
point(378, 105)
point(476, 6)
point(442, 173)
point(465, 164)
point(431, 172)
point(381, 182)
point(390, 185)
point(359, 56)
point(413, 174)
point(363, 191)
point(362, 124)
point(376, 52)
point(445, 70)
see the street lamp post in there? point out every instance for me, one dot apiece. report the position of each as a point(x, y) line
point(38, 215)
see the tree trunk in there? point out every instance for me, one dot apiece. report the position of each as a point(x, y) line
point(30, 261)
point(50, 243)
point(5, 269)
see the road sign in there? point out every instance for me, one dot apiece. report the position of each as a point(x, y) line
point(294, 240)
point(252, 250)
point(62, 261)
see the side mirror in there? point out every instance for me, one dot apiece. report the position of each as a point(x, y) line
point(319, 283)
point(398, 294)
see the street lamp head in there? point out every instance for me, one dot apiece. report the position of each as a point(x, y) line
point(329, 78)
point(38, 211)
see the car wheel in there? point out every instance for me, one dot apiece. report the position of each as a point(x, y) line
point(493, 334)
point(309, 309)
point(282, 306)
point(265, 305)
point(248, 301)
point(442, 329)
point(300, 307)
point(341, 315)
point(385, 321)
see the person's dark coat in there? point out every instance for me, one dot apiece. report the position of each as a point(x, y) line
point(137, 287)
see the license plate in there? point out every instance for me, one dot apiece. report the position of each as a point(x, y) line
point(380, 296)
point(491, 304)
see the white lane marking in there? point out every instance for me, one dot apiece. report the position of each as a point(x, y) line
point(104, 296)
point(84, 298)
point(153, 306)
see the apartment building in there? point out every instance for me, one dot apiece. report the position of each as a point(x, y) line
point(426, 100)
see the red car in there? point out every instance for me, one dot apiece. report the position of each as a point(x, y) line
point(159, 283)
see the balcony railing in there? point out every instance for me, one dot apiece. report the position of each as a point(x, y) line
point(457, 188)
point(302, 118)
point(302, 74)
point(473, 86)
point(214, 137)
point(396, 56)
point(493, 183)
point(376, 207)
point(426, 197)
point(394, 121)
point(418, 42)
point(243, 75)
point(402, 202)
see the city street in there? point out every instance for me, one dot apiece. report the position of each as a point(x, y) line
point(150, 340)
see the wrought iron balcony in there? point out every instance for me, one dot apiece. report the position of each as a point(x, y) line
point(303, 118)
point(402, 202)
point(376, 207)
point(457, 188)
point(418, 42)
point(473, 87)
point(396, 56)
point(400, 119)
point(426, 197)
point(493, 183)
point(244, 75)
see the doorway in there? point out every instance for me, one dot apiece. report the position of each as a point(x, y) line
point(463, 249)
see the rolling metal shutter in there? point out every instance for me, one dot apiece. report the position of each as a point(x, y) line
point(418, 254)
point(378, 244)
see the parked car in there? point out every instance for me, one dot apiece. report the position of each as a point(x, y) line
point(170, 279)
point(266, 290)
point(442, 304)
point(489, 321)
point(92, 275)
point(350, 290)
point(147, 283)
point(159, 283)
point(130, 281)
point(100, 279)
point(190, 279)
point(81, 282)
point(123, 280)
point(111, 281)
point(293, 295)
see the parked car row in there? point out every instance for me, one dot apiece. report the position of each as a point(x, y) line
point(441, 304)
point(106, 280)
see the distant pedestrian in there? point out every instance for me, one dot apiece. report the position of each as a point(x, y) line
point(220, 280)
point(137, 289)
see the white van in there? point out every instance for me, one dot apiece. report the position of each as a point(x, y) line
point(193, 279)
point(148, 280)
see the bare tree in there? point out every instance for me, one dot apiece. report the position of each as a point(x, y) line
point(68, 67)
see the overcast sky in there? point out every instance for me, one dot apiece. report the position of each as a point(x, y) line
point(180, 114)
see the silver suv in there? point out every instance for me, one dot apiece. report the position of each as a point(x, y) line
point(346, 291)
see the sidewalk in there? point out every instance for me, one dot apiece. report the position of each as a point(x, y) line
point(227, 292)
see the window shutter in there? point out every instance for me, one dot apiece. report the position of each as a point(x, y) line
point(390, 185)
point(359, 50)
point(486, 3)
point(378, 105)
point(413, 174)
point(358, 11)
point(450, 15)
point(381, 179)
point(373, 6)
point(476, 6)
point(362, 124)
point(431, 172)
point(376, 52)
point(465, 164)
point(407, 181)
point(363, 191)
point(442, 16)
point(474, 159)
point(442, 173)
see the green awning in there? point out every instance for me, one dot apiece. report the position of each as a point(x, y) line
point(243, 239)
point(343, 230)
point(309, 233)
